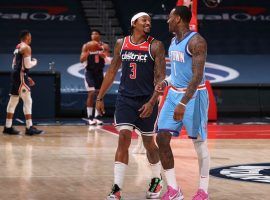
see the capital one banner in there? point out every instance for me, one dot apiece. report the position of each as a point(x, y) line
point(236, 27)
point(52, 24)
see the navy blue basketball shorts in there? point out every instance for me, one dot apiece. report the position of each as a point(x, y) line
point(127, 115)
point(93, 80)
point(19, 84)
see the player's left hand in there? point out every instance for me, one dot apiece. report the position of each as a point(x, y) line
point(31, 81)
point(100, 107)
point(146, 110)
point(179, 112)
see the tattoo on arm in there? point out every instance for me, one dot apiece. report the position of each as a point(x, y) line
point(158, 52)
point(198, 48)
point(160, 65)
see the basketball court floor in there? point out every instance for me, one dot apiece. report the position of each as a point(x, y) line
point(76, 163)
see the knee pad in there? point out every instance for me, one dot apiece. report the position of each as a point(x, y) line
point(201, 148)
point(12, 104)
point(27, 103)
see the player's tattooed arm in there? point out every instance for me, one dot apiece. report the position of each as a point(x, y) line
point(112, 70)
point(198, 49)
point(158, 52)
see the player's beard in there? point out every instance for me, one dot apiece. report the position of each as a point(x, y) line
point(147, 32)
point(171, 28)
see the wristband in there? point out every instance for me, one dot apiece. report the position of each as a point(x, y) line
point(99, 99)
point(182, 104)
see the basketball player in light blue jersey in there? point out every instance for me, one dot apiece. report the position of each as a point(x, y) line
point(186, 103)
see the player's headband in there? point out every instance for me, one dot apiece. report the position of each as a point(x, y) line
point(138, 15)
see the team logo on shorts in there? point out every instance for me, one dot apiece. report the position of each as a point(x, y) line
point(256, 173)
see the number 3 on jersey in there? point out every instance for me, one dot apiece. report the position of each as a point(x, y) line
point(133, 70)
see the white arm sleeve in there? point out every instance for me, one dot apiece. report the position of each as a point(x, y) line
point(28, 63)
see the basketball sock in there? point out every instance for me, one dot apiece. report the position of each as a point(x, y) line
point(29, 123)
point(119, 173)
point(8, 123)
point(204, 163)
point(155, 169)
point(204, 182)
point(96, 113)
point(89, 112)
point(171, 179)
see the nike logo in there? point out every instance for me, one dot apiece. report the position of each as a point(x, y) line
point(143, 47)
point(203, 176)
point(172, 197)
point(178, 194)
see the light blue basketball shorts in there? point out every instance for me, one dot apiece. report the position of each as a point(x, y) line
point(195, 116)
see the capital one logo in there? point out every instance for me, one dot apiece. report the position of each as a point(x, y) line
point(38, 13)
point(256, 173)
point(240, 14)
point(214, 72)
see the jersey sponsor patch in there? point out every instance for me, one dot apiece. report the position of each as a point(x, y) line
point(134, 57)
point(256, 173)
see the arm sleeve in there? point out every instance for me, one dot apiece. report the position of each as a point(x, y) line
point(28, 63)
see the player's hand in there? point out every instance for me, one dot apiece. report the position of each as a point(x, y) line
point(102, 54)
point(179, 112)
point(146, 110)
point(187, 3)
point(100, 107)
point(160, 87)
point(31, 81)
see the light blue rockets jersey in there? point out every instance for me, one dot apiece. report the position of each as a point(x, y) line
point(181, 62)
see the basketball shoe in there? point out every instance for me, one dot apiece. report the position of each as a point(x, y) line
point(115, 194)
point(173, 194)
point(92, 121)
point(33, 131)
point(11, 131)
point(155, 188)
point(200, 195)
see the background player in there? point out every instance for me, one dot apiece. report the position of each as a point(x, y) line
point(20, 85)
point(143, 66)
point(94, 61)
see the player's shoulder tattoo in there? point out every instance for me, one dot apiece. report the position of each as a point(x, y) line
point(197, 45)
point(157, 48)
